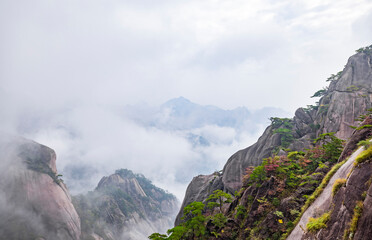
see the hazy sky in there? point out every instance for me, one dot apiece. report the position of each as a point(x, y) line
point(225, 53)
point(99, 54)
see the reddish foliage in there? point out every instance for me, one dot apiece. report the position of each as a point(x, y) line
point(317, 152)
point(272, 164)
point(304, 162)
point(281, 186)
point(248, 172)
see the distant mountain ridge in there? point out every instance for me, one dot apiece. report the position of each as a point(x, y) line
point(182, 114)
point(186, 118)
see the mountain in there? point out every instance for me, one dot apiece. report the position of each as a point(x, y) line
point(272, 203)
point(182, 115)
point(125, 205)
point(35, 203)
point(203, 136)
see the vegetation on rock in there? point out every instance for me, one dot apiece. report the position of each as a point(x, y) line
point(273, 197)
point(283, 126)
point(364, 156)
point(315, 224)
point(358, 210)
point(366, 50)
point(337, 185)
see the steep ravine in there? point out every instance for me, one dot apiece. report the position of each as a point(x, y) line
point(323, 202)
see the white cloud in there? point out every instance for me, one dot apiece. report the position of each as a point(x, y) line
point(84, 56)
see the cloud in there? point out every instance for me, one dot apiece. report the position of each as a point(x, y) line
point(112, 52)
point(360, 28)
point(75, 60)
point(93, 141)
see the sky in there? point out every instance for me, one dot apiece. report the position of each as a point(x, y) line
point(71, 61)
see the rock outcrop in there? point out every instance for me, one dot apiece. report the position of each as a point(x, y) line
point(352, 196)
point(348, 96)
point(200, 188)
point(125, 206)
point(34, 202)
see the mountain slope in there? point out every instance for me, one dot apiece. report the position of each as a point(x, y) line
point(125, 206)
point(347, 97)
point(350, 197)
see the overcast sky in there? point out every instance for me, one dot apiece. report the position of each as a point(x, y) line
point(225, 53)
point(254, 53)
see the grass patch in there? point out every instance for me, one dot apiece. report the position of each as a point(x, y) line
point(315, 224)
point(363, 156)
point(364, 126)
point(365, 143)
point(358, 210)
point(337, 185)
point(313, 196)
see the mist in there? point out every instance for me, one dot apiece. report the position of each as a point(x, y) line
point(31, 200)
point(94, 141)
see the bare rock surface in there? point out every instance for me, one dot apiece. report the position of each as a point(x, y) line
point(34, 201)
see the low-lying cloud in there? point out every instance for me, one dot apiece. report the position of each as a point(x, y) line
point(92, 142)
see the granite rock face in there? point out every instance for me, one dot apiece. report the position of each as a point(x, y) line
point(347, 97)
point(199, 189)
point(125, 206)
point(34, 201)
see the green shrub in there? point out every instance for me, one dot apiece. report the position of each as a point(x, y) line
point(276, 202)
point(332, 146)
point(364, 126)
point(315, 194)
point(363, 156)
point(322, 185)
point(258, 174)
point(358, 210)
point(295, 155)
point(240, 211)
point(322, 165)
point(365, 143)
point(218, 198)
point(286, 137)
point(289, 224)
point(315, 224)
point(157, 236)
point(279, 214)
point(320, 93)
point(295, 212)
point(219, 220)
point(337, 185)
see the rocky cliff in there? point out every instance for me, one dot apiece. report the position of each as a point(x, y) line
point(34, 202)
point(346, 200)
point(125, 206)
point(348, 96)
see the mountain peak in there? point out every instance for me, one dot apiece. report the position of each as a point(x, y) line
point(177, 102)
